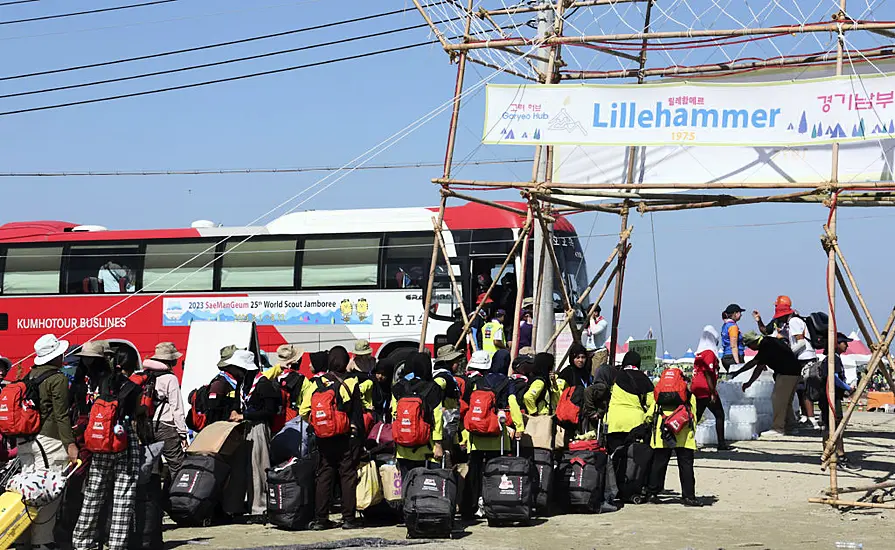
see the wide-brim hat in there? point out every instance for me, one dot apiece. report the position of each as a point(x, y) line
point(95, 348)
point(782, 310)
point(166, 351)
point(480, 360)
point(362, 347)
point(288, 354)
point(226, 353)
point(447, 353)
point(243, 359)
point(47, 348)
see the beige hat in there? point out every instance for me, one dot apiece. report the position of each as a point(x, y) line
point(528, 302)
point(287, 354)
point(362, 347)
point(226, 354)
point(447, 353)
point(166, 351)
point(95, 348)
point(527, 350)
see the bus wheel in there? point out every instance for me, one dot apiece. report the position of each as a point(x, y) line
point(399, 358)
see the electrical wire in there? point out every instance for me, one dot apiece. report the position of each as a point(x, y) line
point(214, 63)
point(236, 171)
point(217, 80)
point(209, 46)
point(87, 12)
point(13, 2)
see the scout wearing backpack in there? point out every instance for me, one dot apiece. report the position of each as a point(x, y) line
point(492, 398)
point(418, 416)
point(35, 410)
point(163, 402)
point(631, 398)
point(335, 412)
point(289, 381)
point(674, 431)
point(115, 447)
point(570, 389)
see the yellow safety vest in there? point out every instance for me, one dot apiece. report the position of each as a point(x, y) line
point(489, 331)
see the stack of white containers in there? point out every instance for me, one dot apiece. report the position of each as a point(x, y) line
point(746, 414)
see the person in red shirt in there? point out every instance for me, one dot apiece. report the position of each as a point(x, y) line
point(705, 381)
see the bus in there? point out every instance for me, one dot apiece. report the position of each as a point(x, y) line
point(315, 279)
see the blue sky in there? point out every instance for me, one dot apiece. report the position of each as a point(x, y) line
point(327, 116)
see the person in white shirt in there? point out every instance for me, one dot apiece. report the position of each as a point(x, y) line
point(794, 330)
point(594, 338)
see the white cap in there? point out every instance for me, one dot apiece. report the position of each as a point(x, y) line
point(480, 360)
point(47, 348)
point(243, 359)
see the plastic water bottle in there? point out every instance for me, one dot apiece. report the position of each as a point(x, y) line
point(851, 545)
point(118, 429)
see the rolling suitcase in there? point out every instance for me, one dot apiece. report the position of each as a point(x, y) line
point(508, 488)
point(543, 461)
point(290, 493)
point(632, 466)
point(581, 478)
point(430, 500)
point(197, 490)
point(16, 516)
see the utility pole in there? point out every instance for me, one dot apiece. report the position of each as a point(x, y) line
point(544, 316)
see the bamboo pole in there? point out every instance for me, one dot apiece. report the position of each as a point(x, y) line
point(586, 293)
point(567, 302)
point(832, 343)
point(430, 282)
point(875, 361)
point(485, 202)
point(504, 69)
point(692, 33)
point(867, 488)
point(520, 288)
point(725, 201)
point(558, 187)
point(837, 502)
point(819, 58)
point(455, 287)
point(619, 286)
point(578, 4)
point(580, 206)
point(593, 307)
point(503, 266)
point(444, 43)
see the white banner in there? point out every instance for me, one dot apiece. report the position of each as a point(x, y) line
point(809, 112)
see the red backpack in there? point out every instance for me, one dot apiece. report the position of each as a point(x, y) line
point(290, 384)
point(482, 418)
point(20, 406)
point(568, 409)
point(329, 410)
point(145, 380)
point(198, 398)
point(414, 417)
point(671, 389)
point(105, 433)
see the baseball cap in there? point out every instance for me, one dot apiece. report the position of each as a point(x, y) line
point(733, 308)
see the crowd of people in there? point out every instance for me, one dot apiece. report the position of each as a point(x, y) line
point(108, 417)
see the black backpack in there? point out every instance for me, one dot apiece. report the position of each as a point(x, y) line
point(818, 324)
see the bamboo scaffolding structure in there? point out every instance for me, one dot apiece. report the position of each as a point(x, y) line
point(866, 488)
point(857, 504)
point(875, 361)
point(444, 42)
point(579, 206)
point(803, 60)
point(831, 346)
point(504, 69)
point(522, 235)
point(567, 302)
point(430, 282)
point(485, 202)
point(542, 256)
point(520, 278)
point(799, 196)
point(692, 33)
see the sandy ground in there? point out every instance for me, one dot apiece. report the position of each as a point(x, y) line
point(758, 498)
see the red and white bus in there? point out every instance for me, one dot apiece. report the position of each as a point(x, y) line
point(315, 279)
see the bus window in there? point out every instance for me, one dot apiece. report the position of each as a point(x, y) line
point(178, 266)
point(351, 262)
point(32, 270)
point(102, 269)
point(407, 260)
point(258, 264)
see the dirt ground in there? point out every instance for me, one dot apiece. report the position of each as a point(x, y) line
point(756, 496)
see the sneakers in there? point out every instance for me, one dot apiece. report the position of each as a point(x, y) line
point(772, 434)
point(815, 424)
point(691, 502)
point(607, 507)
point(803, 419)
point(322, 525)
point(352, 524)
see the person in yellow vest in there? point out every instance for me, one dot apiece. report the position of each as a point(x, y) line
point(492, 333)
